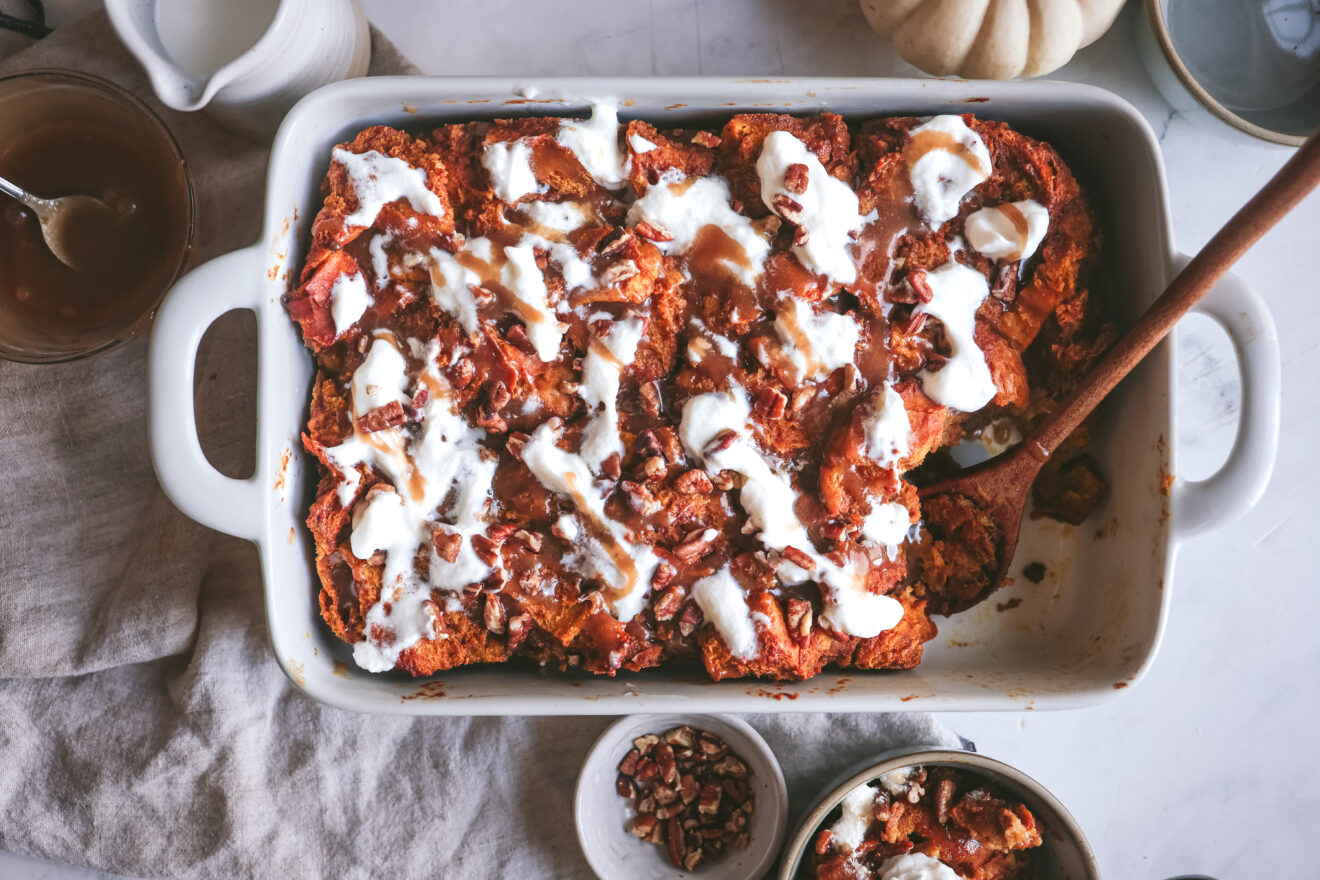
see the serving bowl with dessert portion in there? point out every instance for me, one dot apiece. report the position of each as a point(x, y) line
point(938, 814)
point(638, 388)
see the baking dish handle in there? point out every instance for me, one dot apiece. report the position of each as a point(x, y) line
point(1201, 505)
point(196, 488)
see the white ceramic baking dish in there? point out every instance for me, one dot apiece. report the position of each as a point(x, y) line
point(1090, 629)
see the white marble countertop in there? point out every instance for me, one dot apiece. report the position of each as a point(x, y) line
point(1163, 777)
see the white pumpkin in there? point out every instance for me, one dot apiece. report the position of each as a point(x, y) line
point(990, 39)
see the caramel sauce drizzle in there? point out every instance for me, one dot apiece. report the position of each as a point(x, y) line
point(927, 141)
point(1019, 221)
point(620, 556)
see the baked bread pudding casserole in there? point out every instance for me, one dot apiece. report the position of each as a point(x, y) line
point(606, 396)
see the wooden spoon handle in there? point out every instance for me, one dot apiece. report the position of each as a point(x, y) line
point(1290, 185)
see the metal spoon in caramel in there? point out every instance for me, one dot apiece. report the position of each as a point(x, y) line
point(70, 225)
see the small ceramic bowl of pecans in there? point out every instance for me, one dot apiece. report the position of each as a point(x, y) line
point(666, 796)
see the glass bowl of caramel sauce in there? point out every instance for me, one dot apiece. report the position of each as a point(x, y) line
point(66, 133)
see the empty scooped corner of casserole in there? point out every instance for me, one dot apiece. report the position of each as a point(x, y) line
point(606, 396)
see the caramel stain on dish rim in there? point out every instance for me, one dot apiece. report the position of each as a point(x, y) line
point(339, 668)
point(284, 469)
point(927, 141)
point(773, 695)
point(431, 690)
point(296, 673)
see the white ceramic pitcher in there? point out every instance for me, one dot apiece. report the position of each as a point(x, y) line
point(245, 61)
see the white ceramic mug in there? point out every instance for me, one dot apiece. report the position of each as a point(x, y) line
point(245, 61)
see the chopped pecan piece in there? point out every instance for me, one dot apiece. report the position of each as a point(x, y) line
point(498, 534)
point(619, 272)
point(446, 543)
point(486, 549)
point(798, 618)
point(796, 178)
point(655, 468)
point(462, 373)
point(614, 241)
point(643, 824)
point(690, 619)
point(639, 498)
point(800, 558)
point(531, 539)
point(721, 442)
point(693, 482)
point(696, 545)
point(664, 575)
point(667, 604)
point(517, 337)
point(770, 403)
point(515, 443)
point(707, 139)
point(1006, 281)
point(518, 627)
point(788, 208)
point(494, 614)
point(391, 415)
point(920, 285)
point(723, 480)
point(654, 231)
point(648, 444)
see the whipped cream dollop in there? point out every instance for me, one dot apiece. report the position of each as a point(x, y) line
point(602, 548)
point(714, 430)
point(901, 783)
point(444, 465)
point(509, 164)
point(640, 144)
point(964, 381)
point(886, 427)
point(515, 268)
point(551, 222)
point(609, 354)
point(887, 526)
point(380, 258)
point(595, 143)
point(825, 209)
point(380, 379)
point(915, 866)
point(724, 603)
point(815, 342)
point(451, 289)
point(946, 160)
point(684, 208)
point(1011, 231)
point(850, 829)
point(523, 278)
point(349, 301)
point(379, 180)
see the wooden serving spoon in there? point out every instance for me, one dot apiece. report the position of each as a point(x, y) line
point(999, 487)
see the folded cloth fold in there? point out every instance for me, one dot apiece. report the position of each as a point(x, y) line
point(145, 725)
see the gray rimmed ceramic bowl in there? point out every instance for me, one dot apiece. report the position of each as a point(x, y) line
point(1064, 855)
point(1246, 67)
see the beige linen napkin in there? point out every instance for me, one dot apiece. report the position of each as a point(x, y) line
point(145, 728)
